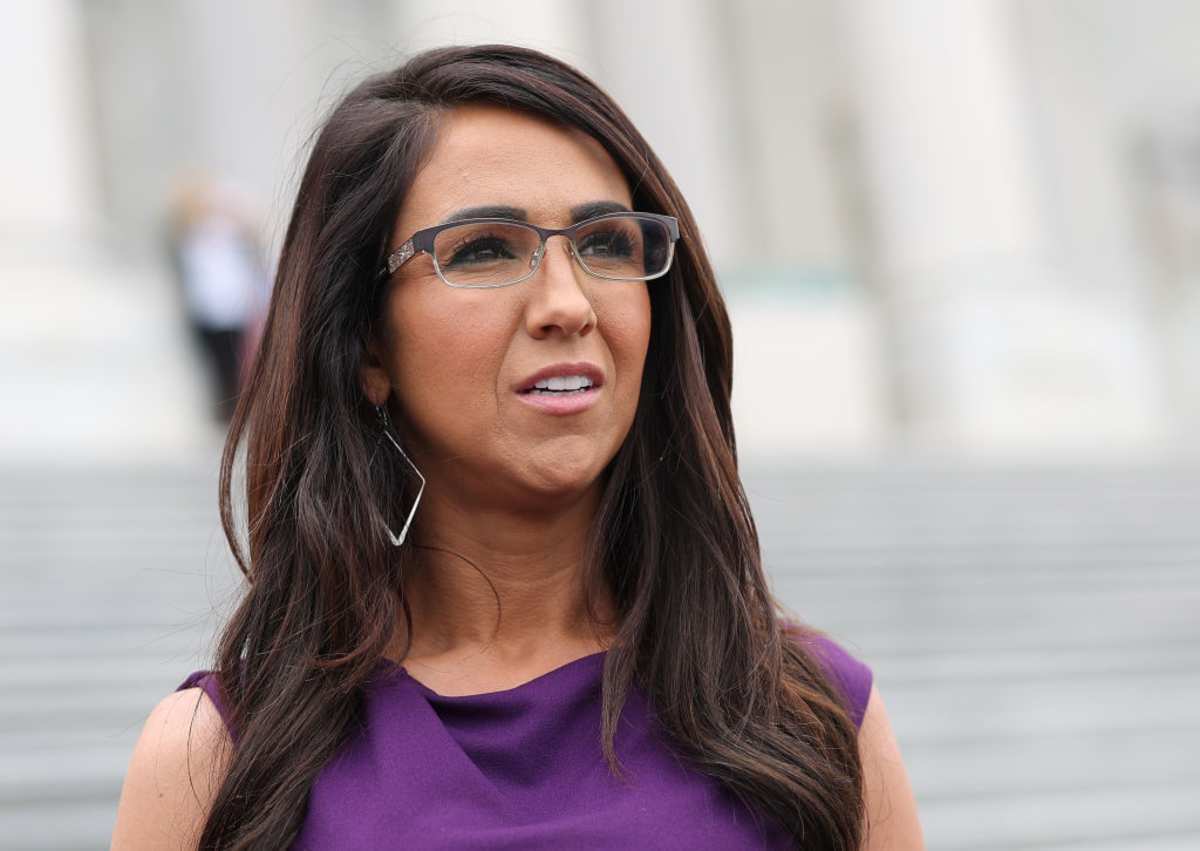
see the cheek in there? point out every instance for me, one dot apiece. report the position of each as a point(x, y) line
point(627, 330)
point(445, 359)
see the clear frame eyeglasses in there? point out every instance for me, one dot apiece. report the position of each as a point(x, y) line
point(495, 252)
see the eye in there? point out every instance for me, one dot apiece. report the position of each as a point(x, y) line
point(479, 249)
point(610, 242)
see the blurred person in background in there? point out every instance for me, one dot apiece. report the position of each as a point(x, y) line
point(217, 258)
point(487, 264)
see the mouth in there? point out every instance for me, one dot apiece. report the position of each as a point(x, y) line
point(560, 402)
point(562, 378)
point(562, 388)
point(557, 392)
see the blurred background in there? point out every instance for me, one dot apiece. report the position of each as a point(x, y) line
point(960, 245)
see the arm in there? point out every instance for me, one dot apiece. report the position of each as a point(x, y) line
point(892, 823)
point(173, 775)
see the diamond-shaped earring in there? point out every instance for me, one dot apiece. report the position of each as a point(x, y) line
point(386, 425)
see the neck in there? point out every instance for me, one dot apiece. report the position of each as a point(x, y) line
point(500, 584)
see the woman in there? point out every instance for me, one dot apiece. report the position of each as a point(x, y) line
point(505, 588)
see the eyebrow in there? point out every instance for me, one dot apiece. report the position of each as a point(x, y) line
point(502, 211)
point(596, 208)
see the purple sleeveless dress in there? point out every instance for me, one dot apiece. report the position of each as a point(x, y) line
point(523, 769)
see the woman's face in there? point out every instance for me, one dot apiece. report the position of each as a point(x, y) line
point(454, 360)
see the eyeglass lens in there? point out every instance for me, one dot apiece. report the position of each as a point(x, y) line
point(492, 253)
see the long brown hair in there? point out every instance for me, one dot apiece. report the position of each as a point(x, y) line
point(699, 630)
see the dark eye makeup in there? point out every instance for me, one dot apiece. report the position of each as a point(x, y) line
point(478, 249)
point(609, 243)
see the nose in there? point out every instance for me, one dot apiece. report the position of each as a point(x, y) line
point(557, 302)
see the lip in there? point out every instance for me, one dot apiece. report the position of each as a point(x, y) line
point(562, 405)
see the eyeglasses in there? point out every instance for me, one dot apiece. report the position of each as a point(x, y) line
point(481, 253)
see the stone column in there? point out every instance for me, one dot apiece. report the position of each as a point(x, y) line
point(996, 350)
point(91, 364)
point(46, 168)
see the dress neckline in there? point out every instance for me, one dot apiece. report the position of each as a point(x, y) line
point(538, 681)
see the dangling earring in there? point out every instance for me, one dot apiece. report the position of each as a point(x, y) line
point(386, 424)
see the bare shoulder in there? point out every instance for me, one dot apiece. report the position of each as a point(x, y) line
point(174, 773)
point(892, 821)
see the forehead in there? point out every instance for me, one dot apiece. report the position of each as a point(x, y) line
point(488, 155)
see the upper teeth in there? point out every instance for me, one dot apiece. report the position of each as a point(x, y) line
point(565, 382)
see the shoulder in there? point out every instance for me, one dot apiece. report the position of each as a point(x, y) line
point(891, 807)
point(174, 773)
point(850, 675)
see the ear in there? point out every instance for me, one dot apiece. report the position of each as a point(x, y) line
point(373, 376)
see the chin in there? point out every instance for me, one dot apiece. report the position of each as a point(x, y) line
point(559, 478)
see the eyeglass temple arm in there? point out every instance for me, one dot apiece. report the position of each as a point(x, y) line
point(398, 258)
